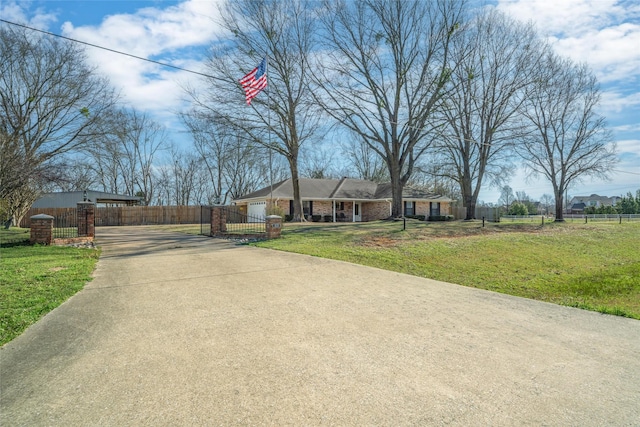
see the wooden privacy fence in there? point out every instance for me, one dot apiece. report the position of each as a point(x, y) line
point(128, 215)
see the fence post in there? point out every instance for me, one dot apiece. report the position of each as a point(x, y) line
point(86, 219)
point(218, 220)
point(273, 225)
point(41, 229)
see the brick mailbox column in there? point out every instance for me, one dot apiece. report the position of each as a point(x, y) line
point(86, 219)
point(274, 226)
point(218, 220)
point(41, 229)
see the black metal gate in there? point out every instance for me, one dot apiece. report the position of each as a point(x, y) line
point(237, 223)
point(65, 224)
point(205, 220)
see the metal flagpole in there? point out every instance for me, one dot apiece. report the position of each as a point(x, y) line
point(269, 130)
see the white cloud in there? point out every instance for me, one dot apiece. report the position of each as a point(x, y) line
point(630, 146)
point(14, 12)
point(182, 31)
point(603, 33)
point(566, 17)
point(614, 102)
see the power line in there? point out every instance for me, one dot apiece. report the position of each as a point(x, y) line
point(621, 171)
point(164, 64)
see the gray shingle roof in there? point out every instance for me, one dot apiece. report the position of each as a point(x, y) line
point(334, 189)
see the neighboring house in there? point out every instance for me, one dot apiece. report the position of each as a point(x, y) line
point(70, 199)
point(579, 203)
point(351, 200)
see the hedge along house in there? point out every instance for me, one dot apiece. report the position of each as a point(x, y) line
point(350, 200)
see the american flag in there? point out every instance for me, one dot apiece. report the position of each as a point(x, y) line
point(255, 81)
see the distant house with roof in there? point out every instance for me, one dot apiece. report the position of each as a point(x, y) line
point(579, 203)
point(346, 199)
point(70, 199)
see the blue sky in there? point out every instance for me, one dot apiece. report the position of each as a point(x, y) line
point(603, 33)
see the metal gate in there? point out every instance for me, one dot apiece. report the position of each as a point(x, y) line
point(237, 224)
point(205, 220)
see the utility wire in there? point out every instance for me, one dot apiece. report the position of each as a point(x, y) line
point(164, 64)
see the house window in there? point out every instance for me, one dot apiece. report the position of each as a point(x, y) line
point(339, 206)
point(408, 208)
point(307, 207)
point(434, 208)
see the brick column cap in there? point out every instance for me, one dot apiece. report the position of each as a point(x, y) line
point(274, 217)
point(41, 216)
point(86, 203)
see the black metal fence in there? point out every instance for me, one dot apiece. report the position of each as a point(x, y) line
point(237, 223)
point(243, 224)
point(65, 224)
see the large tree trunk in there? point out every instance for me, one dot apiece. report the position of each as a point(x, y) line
point(397, 185)
point(470, 204)
point(297, 200)
point(468, 199)
point(559, 207)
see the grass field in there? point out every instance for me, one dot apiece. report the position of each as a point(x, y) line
point(36, 279)
point(593, 266)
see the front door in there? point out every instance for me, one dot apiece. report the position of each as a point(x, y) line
point(357, 214)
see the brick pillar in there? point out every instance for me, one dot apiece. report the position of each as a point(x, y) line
point(41, 229)
point(86, 219)
point(218, 220)
point(274, 226)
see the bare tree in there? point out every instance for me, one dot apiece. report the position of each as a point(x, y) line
point(141, 138)
point(496, 60)
point(506, 197)
point(182, 176)
point(567, 139)
point(122, 157)
point(547, 200)
point(50, 104)
point(319, 162)
point(364, 161)
point(231, 163)
point(74, 174)
point(282, 118)
point(385, 70)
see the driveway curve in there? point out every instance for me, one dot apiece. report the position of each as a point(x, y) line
point(188, 330)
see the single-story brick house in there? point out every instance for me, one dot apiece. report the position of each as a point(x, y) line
point(346, 199)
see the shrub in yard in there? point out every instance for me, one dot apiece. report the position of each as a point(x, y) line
point(440, 217)
point(316, 218)
point(327, 218)
point(418, 217)
point(518, 208)
point(275, 210)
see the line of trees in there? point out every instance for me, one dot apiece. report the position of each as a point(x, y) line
point(422, 88)
point(426, 93)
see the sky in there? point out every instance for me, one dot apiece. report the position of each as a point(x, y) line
point(603, 33)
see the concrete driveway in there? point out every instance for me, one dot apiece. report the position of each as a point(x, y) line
point(187, 330)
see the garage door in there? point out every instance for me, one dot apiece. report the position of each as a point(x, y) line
point(257, 211)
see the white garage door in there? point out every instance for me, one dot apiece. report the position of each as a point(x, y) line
point(257, 211)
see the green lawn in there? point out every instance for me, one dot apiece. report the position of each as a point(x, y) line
point(36, 279)
point(594, 266)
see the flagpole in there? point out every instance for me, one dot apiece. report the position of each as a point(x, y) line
point(269, 131)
